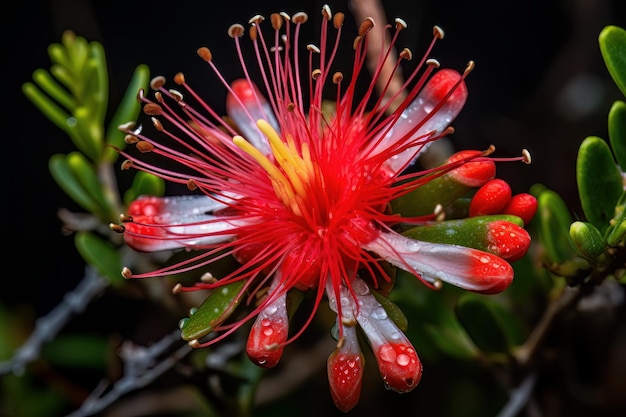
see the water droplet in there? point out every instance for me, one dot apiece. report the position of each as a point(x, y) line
point(396, 335)
point(193, 310)
point(182, 323)
point(387, 353)
point(266, 322)
point(261, 360)
point(484, 259)
point(224, 290)
point(379, 314)
point(271, 310)
point(403, 359)
point(268, 331)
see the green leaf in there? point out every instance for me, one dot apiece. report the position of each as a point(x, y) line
point(86, 174)
point(101, 255)
point(599, 181)
point(612, 40)
point(128, 110)
point(47, 107)
point(216, 308)
point(617, 132)
point(553, 222)
point(144, 184)
point(64, 176)
point(89, 137)
point(487, 323)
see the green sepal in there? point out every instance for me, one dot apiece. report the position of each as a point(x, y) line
point(617, 229)
point(612, 40)
point(599, 181)
point(393, 311)
point(422, 201)
point(553, 220)
point(144, 184)
point(64, 176)
point(127, 110)
point(617, 132)
point(587, 239)
point(215, 309)
point(101, 255)
point(472, 232)
point(491, 327)
point(86, 174)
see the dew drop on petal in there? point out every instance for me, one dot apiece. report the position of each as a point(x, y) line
point(379, 313)
point(403, 359)
point(387, 353)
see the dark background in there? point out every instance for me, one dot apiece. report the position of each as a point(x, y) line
point(540, 83)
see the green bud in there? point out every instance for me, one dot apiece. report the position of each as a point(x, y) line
point(587, 239)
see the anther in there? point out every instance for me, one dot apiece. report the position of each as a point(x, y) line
point(205, 53)
point(437, 284)
point(400, 24)
point(316, 73)
point(157, 124)
point(140, 95)
point(326, 12)
point(366, 25)
point(125, 218)
point(127, 273)
point(126, 165)
point(117, 228)
point(191, 185)
point(157, 82)
point(433, 63)
point(236, 31)
point(176, 288)
point(277, 21)
point(178, 96)
point(469, 68)
point(152, 109)
point(291, 107)
point(194, 343)
point(406, 54)
point(337, 77)
point(179, 78)
point(438, 32)
point(125, 127)
point(144, 147)
point(285, 16)
point(130, 139)
point(208, 278)
point(356, 42)
point(526, 156)
point(312, 48)
point(158, 96)
point(338, 20)
point(300, 17)
point(253, 33)
point(256, 19)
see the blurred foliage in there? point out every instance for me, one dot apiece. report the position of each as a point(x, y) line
point(469, 333)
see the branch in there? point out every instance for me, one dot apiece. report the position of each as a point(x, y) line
point(48, 326)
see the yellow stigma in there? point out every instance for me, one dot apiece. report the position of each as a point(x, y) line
point(293, 168)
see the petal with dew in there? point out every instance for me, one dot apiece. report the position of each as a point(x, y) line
point(467, 268)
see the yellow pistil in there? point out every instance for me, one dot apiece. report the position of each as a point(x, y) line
point(293, 172)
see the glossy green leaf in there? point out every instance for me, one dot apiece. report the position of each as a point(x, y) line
point(472, 232)
point(101, 255)
point(599, 181)
point(587, 239)
point(216, 308)
point(486, 322)
point(127, 110)
point(86, 174)
point(144, 184)
point(612, 40)
point(617, 132)
point(553, 220)
point(47, 107)
point(89, 137)
point(64, 176)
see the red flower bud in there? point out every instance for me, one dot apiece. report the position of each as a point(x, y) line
point(523, 205)
point(491, 198)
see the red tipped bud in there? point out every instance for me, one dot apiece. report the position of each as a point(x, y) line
point(345, 373)
point(508, 240)
point(522, 205)
point(268, 335)
point(473, 173)
point(491, 198)
point(399, 366)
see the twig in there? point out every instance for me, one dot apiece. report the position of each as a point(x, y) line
point(48, 326)
point(141, 367)
point(519, 398)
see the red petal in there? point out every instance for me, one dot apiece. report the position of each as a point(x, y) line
point(399, 366)
point(345, 373)
point(508, 240)
point(491, 198)
point(522, 205)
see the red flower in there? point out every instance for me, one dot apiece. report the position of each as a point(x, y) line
point(300, 197)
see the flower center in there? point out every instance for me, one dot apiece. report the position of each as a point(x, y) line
point(291, 176)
